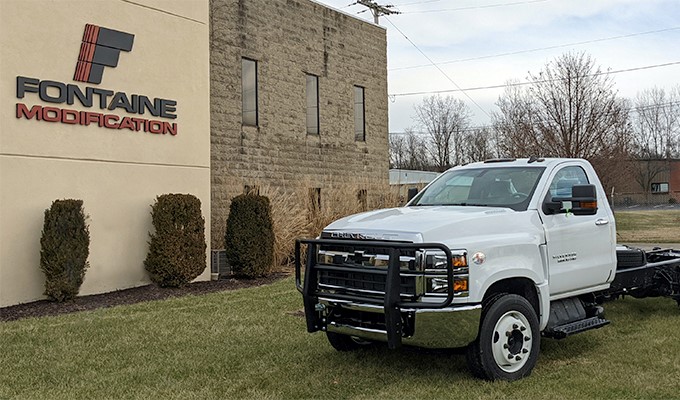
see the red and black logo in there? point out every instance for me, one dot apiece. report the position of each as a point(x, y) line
point(101, 48)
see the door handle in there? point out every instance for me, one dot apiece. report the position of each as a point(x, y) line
point(601, 221)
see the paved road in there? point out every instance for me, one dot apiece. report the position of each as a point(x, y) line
point(650, 246)
point(639, 207)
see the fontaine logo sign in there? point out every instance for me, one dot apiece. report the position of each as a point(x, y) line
point(100, 48)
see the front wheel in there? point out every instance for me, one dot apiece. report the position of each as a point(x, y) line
point(508, 342)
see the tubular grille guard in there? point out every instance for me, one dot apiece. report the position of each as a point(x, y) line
point(391, 302)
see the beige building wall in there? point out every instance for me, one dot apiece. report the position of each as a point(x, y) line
point(289, 39)
point(116, 172)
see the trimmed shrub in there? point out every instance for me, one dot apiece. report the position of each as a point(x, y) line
point(177, 248)
point(64, 248)
point(249, 237)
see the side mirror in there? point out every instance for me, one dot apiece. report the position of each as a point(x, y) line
point(583, 201)
point(412, 192)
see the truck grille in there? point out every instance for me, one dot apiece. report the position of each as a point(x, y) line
point(366, 283)
point(343, 269)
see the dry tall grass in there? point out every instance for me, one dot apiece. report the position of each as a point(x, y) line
point(290, 222)
point(299, 212)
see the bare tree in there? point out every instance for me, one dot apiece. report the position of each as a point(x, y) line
point(656, 135)
point(570, 109)
point(416, 152)
point(513, 125)
point(408, 151)
point(656, 123)
point(445, 120)
point(478, 144)
point(397, 144)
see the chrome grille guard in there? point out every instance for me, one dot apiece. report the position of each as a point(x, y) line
point(391, 302)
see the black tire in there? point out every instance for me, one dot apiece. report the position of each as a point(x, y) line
point(346, 343)
point(630, 258)
point(473, 354)
point(508, 342)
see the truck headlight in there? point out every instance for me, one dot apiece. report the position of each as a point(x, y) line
point(440, 285)
point(436, 262)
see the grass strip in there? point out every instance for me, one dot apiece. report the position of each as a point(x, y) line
point(251, 343)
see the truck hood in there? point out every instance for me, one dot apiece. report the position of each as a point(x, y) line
point(430, 223)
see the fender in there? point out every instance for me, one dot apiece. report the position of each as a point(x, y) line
point(541, 286)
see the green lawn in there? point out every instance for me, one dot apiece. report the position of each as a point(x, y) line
point(658, 226)
point(251, 343)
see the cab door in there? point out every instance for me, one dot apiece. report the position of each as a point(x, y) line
point(579, 247)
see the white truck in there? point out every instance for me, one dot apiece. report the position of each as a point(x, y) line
point(491, 256)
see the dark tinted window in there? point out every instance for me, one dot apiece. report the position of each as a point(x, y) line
point(312, 94)
point(249, 91)
point(359, 114)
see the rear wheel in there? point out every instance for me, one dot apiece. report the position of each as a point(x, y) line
point(508, 342)
point(346, 343)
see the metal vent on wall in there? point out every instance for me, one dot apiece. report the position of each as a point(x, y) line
point(218, 263)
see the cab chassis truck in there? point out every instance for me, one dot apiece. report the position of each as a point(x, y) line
point(491, 256)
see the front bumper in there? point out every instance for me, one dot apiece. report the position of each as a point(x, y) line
point(388, 312)
point(449, 327)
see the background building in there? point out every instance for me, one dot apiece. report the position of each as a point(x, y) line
point(118, 102)
point(298, 98)
point(649, 182)
point(404, 179)
point(53, 145)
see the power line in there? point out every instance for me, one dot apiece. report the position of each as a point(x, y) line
point(476, 7)
point(539, 49)
point(458, 88)
point(468, 129)
point(513, 84)
point(417, 2)
point(635, 109)
point(377, 10)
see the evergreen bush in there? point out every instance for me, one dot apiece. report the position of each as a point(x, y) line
point(249, 236)
point(177, 247)
point(64, 248)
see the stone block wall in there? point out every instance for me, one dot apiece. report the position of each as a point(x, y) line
point(289, 39)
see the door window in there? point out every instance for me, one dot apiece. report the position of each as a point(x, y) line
point(566, 178)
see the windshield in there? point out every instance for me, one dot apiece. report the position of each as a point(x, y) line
point(510, 187)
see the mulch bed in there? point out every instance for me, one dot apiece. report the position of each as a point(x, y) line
point(44, 308)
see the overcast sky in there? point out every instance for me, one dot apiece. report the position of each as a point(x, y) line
point(469, 41)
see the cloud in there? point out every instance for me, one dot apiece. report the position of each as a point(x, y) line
point(454, 35)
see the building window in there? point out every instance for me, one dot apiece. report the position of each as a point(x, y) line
point(312, 93)
point(362, 197)
point(661, 187)
point(359, 114)
point(315, 201)
point(249, 91)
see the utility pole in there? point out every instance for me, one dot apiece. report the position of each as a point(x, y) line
point(377, 10)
